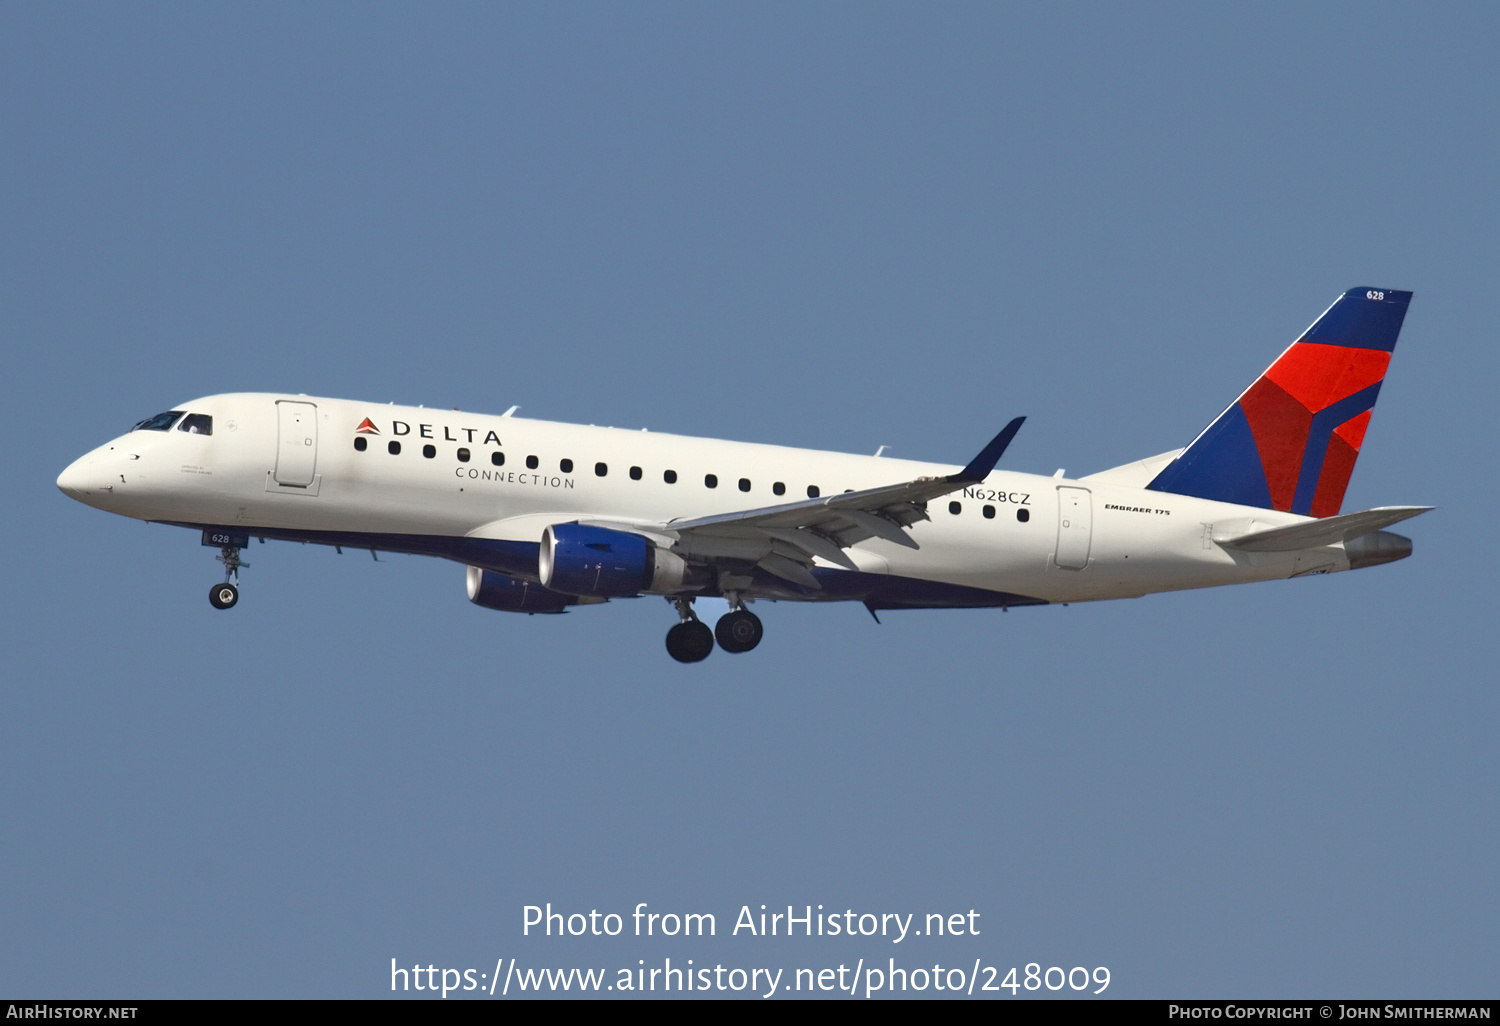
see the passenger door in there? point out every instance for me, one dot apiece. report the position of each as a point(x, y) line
point(296, 443)
point(1075, 527)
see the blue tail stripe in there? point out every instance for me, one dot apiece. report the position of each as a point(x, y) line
point(1317, 443)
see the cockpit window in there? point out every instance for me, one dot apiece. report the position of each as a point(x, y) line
point(197, 424)
point(160, 422)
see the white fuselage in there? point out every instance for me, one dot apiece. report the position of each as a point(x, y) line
point(287, 466)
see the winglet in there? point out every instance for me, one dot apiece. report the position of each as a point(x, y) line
point(980, 466)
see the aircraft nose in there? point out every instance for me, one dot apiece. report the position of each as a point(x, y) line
point(83, 479)
point(70, 481)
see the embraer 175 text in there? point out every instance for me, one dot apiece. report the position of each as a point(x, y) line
point(547, 516)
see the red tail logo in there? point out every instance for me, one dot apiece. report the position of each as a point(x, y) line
point(367, 427)
point(1290, 441)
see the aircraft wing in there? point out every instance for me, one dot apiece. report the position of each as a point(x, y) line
point(784, 539)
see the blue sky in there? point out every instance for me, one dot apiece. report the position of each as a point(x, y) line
point(833, 226)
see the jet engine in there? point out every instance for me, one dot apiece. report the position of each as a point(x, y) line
point(597, 561)
point(512, 595)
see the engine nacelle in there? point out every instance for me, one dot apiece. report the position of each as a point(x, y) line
point(597, 561)
point(512, 595)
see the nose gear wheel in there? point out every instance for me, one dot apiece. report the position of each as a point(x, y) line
point(224, 596)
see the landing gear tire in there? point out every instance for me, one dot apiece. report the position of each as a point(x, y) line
point(223, 596)
point(738, 631)
point(690, 641)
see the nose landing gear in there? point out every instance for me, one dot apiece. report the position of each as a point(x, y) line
point(690, 641)
point(224, 596)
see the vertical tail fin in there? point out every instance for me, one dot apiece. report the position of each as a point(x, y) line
point(1289, 442)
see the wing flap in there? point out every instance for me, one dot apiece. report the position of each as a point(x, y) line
point(812, 543)
point(878, 526)
point(790, 570)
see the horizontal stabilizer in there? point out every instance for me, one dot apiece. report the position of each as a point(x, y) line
point(1327, 531)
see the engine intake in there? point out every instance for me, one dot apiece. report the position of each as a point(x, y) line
point(597, 561)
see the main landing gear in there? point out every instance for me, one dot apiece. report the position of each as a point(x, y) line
point(690, 641)
point(738, 630)
point(224, 596)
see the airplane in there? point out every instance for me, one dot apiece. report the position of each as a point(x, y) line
point(547, 516)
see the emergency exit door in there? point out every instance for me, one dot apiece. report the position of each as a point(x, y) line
point(296, 443)
point(1075, 527)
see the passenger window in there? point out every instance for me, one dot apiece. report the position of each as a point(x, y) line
point(669, 476)
point(812, 491)
point(955, 508)
point(497, 458)
point(635, 473)
point(600, 469)
point(989, 512)
point(361, 443)
point(711, 480)
point(197, 424)
point(779, 488)
point(566, 466)
point(160, 422)
point(744, 484)
point(1023, 514)
point(429, 451)
point(463, 455)
point(393, 447)
point(531, 463)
